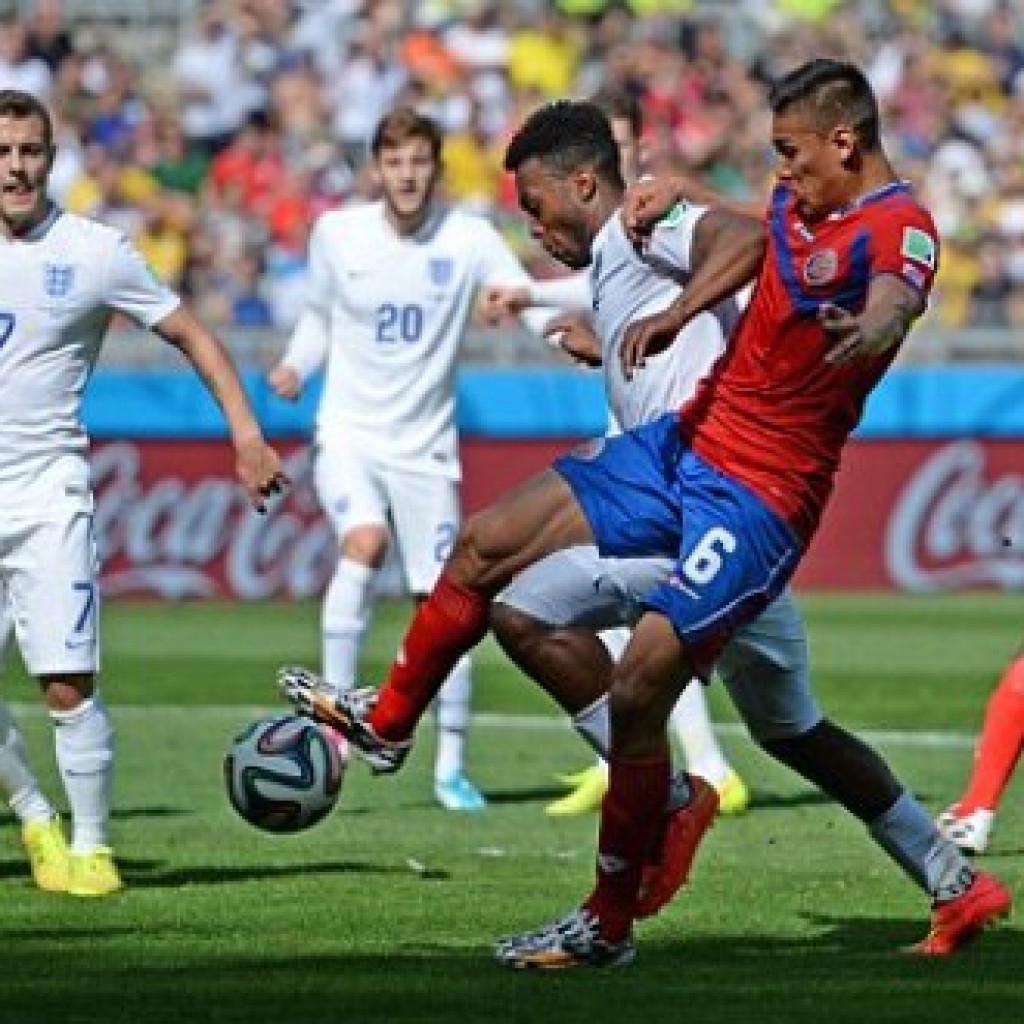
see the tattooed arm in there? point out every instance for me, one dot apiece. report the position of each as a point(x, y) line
point(892, 306)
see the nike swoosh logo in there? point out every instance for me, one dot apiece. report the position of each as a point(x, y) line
point(610, 864)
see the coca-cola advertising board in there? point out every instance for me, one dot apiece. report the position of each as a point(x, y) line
point(924, 516)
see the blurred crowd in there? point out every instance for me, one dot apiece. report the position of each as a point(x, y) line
point(217, 160)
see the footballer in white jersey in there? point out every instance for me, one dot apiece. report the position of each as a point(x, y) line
point(391, 291)
point(62, 278)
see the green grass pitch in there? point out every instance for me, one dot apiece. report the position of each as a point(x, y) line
point(386, 911)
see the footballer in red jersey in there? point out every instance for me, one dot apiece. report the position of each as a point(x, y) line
point(778, 411)
point(732, 488)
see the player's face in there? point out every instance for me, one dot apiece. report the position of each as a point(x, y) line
point(408, 174)
point(557, 215)
point(813, 163)
point(25, 160)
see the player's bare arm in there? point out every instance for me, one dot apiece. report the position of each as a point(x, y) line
point(648, 201)
point(728, 250)
point(891, 308)
point(257, 465)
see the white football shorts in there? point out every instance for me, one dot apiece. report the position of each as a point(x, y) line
point(48, 584)
point(420, 509)
point(764, 666)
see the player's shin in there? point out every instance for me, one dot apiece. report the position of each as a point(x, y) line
point(448, 624)
point(632, 816)
point(84, 743)
point(907, 833)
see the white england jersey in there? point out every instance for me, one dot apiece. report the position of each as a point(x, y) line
point(623, 289)
point(394, 311)
point(59, 287)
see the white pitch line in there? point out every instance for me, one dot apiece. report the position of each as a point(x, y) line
point(239, 713)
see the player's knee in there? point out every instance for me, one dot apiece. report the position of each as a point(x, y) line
point(481, 552)
point(66, 691)
point(367, 545)
point(638, 706)
point(515, 630)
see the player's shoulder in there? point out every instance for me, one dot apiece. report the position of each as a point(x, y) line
point(73, 228)
point(898, 207)
point(342, 218)
point(458, 221)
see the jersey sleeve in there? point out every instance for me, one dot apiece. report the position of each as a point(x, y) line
point(571, 292)
point(671, 243)
point(497, 264)
point(318, 277)
point(133, 288)
point(309, 342)
point(906, 246)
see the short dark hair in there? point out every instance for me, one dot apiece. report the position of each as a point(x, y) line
point(620, 103)
point(833, 92)
point(403, 124)
point(567, 135)
point(15, 103)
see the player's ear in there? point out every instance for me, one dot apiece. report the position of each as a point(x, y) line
point(585, 183)
point(844, 137)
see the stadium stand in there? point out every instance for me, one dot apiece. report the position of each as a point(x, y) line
point(214, 132)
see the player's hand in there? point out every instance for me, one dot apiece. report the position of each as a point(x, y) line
point(259, 469)
point(285, 382)
point(845, 337)
point(576, 337)
point(644, 204)
point(649, 336)
point(499, 303)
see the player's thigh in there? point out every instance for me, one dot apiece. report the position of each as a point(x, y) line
point(577, 587)
point(766, 670)
point(350, 488)
point(735, 556)
point(425, 520)
point(49, 566)
point(533, 519)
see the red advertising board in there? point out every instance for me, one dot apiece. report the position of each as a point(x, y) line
point(915, 516)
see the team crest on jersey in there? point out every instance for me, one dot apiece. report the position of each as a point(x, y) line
point(58, 279)
point(440, 269)
point(821, 267)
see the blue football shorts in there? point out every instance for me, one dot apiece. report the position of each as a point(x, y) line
point(645, 492)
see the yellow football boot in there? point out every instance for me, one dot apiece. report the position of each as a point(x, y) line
point(590, 786)
point(48, 854)
point(94, 873)
point(733, 795)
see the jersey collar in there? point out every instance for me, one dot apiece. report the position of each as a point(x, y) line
point(53, 212)
point(890, 188)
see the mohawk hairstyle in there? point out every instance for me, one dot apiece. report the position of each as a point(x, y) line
point(833, 92)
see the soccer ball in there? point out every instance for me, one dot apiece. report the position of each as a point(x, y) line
point(283, 773)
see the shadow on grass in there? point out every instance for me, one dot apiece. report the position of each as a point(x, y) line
point(153, 875)
point(848, 971)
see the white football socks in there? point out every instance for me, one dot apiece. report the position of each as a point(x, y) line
point(451, 709)
point(84, 742)
point(344, 620)
point(16, 780)
point(692, 726)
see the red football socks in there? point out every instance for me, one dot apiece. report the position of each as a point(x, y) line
point(449, 623)
point(631, 820)
point(999, 747)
